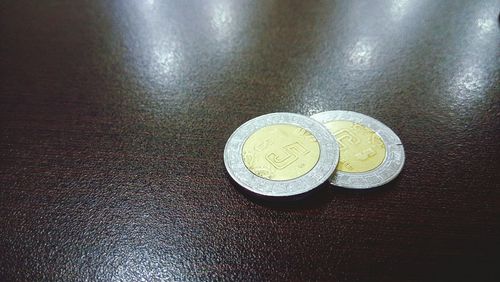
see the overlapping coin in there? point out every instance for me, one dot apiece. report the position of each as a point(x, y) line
point(371, 154)
point(281, 155)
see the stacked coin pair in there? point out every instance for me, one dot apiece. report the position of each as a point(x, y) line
point(286, 154)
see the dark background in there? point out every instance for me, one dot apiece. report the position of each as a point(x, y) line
point(114, 116)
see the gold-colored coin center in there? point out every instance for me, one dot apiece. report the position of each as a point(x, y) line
point(361, 149)
point(280, 152)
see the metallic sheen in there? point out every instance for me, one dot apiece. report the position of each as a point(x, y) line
point(280, 147)
point(280, 152)
point(361, 146)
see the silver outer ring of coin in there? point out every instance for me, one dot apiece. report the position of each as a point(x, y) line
point(385, 172)
point(328, 157)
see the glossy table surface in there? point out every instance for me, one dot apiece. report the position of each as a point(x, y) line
point(114, 116)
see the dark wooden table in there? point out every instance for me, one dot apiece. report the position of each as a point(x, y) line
point(114, 116)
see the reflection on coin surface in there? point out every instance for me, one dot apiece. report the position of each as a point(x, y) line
point(361, 149)
point(370, 153)
point(281, 154)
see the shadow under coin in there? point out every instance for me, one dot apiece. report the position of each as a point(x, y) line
point(369, 191)
point(313, 199)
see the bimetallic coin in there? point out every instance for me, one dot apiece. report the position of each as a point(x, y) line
point(371, 154)
point(281, 155)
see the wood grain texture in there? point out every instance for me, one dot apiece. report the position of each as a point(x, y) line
point(114, 116)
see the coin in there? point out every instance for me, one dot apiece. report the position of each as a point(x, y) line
point(371, 154)
point(281, 155)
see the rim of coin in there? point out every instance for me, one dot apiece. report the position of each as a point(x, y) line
point(390, 167)
point(328, 157)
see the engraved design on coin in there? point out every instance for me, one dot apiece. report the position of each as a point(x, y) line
point(371, 154)
point(280, 152)
point(281, 155)
point(361, 149)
